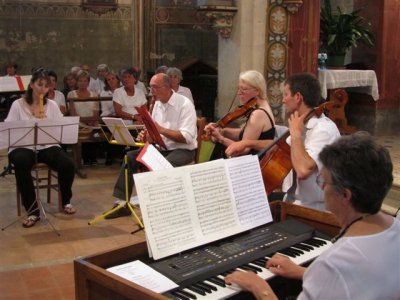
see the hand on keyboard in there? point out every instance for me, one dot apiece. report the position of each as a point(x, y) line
point(282, 265)
point(249, 281)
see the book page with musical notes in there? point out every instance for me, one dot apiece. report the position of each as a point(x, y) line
point(189, 206)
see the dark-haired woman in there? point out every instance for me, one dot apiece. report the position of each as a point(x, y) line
point(29, 108)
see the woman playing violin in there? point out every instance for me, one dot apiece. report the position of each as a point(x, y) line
point(260, 124)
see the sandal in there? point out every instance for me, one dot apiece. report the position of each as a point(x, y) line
point(30, 221)
point(69, 209)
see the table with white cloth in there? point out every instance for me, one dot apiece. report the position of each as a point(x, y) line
point(362, 80)
point(335, 85)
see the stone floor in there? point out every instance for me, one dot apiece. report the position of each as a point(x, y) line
point(36, 263)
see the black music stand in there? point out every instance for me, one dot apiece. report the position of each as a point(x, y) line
point(36, 133)
point(120, 135)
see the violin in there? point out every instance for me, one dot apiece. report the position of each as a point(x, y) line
point(240, 111)
point(275, 160)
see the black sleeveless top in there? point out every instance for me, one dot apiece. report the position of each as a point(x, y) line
point(219, 149)
point(265, 135)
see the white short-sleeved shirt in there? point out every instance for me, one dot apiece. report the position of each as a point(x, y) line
point(177, 114)
point(87, 108)
point(129, 103)
point(318, 133)
point(59, 98)
point(20, 110)
point(362, 267)
point(140, 85)
point(185, 92)
point(96, 85)
point(107, 107)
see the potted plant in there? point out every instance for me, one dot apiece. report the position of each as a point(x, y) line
point(340, 31)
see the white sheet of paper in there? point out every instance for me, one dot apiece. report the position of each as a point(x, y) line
point(189, 206)
point(10, 84)
point(154, 159)
point(142, 274)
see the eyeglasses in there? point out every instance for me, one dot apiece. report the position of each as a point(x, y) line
point(242, 90)
point(321, 183)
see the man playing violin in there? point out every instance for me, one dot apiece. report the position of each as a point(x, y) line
point(175, 118)
point(260, 124)
point(301, 94)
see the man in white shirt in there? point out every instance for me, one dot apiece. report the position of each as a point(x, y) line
point(175, 118)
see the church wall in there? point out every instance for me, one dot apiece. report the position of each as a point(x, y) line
point(244, 50)
point(60, 34)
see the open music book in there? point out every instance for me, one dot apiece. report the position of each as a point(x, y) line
point(150, 126)
point(189, 206)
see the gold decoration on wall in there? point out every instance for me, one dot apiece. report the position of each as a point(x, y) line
point(292, 5)
point(276, 54)
point(221, 18)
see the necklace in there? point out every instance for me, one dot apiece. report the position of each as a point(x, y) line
point(344, 230)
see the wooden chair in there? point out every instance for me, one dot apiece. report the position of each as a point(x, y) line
point(47, 179)
point(340, 98)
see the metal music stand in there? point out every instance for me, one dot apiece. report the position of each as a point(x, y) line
point(120, 135)
point(33, 134)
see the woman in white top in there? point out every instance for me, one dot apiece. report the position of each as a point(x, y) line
point(364, 261)
point(126, 98)
point(85, 109)
point(55, 95)
point(30, 108)
point(112, 82)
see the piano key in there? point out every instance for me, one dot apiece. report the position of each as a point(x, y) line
point(202, 286)
point(187, 294)
point(210, 286)
point(254, 267)
point(196, 290)
point(258, 263)
point(303, 247)
point(180, 295)
point(248, 268)
point(217, 281)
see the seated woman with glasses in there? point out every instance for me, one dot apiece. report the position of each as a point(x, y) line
point(30, 107)
point(363, 262)
point(260, 124)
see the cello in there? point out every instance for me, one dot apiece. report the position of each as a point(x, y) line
point(275, 160)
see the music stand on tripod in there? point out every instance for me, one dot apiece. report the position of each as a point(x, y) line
point(120, 135)
point(34, 134)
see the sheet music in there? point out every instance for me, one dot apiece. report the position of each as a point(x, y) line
point(249, 191)
point(119, 131)
point(188, 206)
point(153, 159)
point(49, 131)
point(141, 274)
